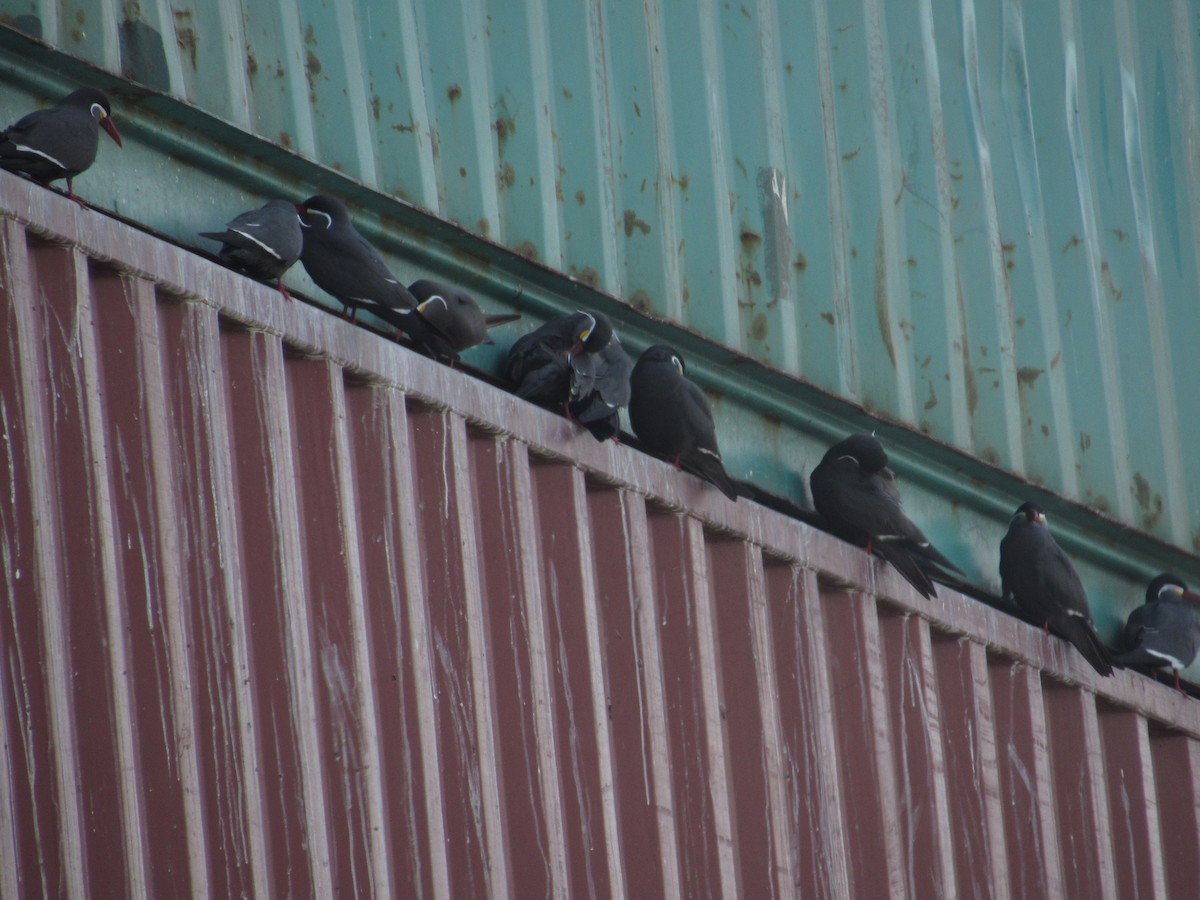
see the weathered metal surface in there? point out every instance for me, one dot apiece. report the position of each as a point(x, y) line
point(291, 611)
point(974, 219)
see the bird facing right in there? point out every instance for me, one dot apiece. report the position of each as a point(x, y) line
point(263, 243)
point(1165, 631)
point(672, 417)
point(60, 142)
point(342, 262)
point(1038, 577)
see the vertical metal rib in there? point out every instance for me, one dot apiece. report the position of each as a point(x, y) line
point(47, 574)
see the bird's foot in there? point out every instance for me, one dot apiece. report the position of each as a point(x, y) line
point(675, 462)
point(71, 195)
point(284, 291)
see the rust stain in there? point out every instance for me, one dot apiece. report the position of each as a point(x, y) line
point(750, 239)
point(1085, 441)
point(453, 92)
point(1072, 242)
point(800, 264)
point(932, 401)
point(758, 327)
point(1029, 374)
point(641, 300)
point(883, 311)
point(1109, 283)
point(483, 226)
point(188, 41)
point(527, 249)
point(507, 176)
point(828, 317)
point(632, 223)
point(587, 275)
point(504, 126)
point(580, 197)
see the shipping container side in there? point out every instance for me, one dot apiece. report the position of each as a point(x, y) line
point(971, 220)
point(290, 609)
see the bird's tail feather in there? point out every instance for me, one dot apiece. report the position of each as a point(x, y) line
point(1084, 638)
point(710, 470)
point(908, 565)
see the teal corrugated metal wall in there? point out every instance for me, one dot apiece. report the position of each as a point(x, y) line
point(976, 219)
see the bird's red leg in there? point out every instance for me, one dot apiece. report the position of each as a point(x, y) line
point(869, 546)
point(71, 195)
point(284, 290)
point(1046, 627)
point(675, 462)
point(1178, 687)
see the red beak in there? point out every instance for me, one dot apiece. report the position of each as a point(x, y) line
point(107, 124)
point(1192, 596)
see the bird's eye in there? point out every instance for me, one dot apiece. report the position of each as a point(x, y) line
point(98, 111)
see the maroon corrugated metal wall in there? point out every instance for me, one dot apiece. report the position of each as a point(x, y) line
point(291, 611)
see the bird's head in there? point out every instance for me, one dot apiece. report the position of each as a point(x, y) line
point(663, 353)
point(1166, 586)
point(1029, 513)
point(863, 449)
point(320, 211)
point(592, 332)
point(96, 102)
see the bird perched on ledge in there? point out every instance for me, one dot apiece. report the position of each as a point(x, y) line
point(1038, 576)
point(447, 320)
point(672, 417)
point(576, 363)
point(856, 494)
point(59, 142)
point(344, 264)
point(263, 243)
point(1165, 631)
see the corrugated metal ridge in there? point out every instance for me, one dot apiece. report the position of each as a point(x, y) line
point(311, 331)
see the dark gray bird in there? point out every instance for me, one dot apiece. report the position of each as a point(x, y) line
point(856, 494)
point(1165, 631)
point(447, 320)
point(1038, 576)
point(672, 417)
point(59, 142)
point(263, 243)
point(344, 264)
point(574, 362)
